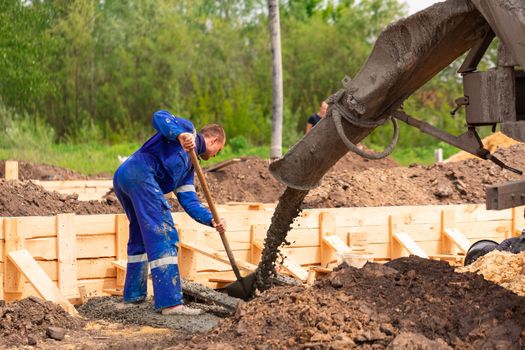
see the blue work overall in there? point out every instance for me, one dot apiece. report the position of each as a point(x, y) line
point(160, 166)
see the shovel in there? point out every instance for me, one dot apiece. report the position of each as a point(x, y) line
point(243, 287)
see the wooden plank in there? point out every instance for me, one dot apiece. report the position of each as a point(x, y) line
point(75, 184)
point(187, 257)
point(336, 244)
point(87, 247)
point(66, 252)
point(38, 278)
point(11, 170)
point(99, 224)
point(86, 268)
point(327, 227)
point(458, 238)
point(257, 236)
point(477, 212)
point(202, 249)
point(121, 244)
point(487, 229)
point(14, 241)
point(295, 269)
point(2, 281)
point(408, 243)
point(94, 287)
point(37, 226)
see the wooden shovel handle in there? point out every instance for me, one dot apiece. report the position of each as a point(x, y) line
point(216, 218)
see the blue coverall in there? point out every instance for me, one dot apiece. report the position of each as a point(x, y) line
point(160, 166)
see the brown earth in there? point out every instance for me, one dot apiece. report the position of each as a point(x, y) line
point(27, 321)
point(34, 171)
point(503, 268)
point(250, 181)
point(446, 183)
point(27, 199)
point(409, 303)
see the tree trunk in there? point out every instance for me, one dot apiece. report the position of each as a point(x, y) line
point(277, 80)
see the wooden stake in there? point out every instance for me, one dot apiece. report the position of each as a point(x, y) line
point(121, 244)
point(13, 279)
point(66, 253)
point(327, 227)
point(11, 170)
point(257, 235)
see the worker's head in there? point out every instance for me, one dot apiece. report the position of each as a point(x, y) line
point(215, 138)
point(322, 109)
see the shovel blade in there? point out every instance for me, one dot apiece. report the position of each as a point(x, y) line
point(242, 288)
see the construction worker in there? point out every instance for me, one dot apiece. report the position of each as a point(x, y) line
point(160, 166)
point(316, 118)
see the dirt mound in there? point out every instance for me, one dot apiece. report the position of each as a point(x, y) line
point(352, 162)
point(408, 303)
point(245, 181)
point(27, 199)
point(449, 183)
point(503, 268)
point(35, 171)
point(250, 181)
point(492, 142)
point(31, 320)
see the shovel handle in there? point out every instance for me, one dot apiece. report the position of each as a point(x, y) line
point(216, 218)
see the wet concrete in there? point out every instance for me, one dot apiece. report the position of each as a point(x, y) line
point(113, 309)
point(208, 295)
point(287, 209)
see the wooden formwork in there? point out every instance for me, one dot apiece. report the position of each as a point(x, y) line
point(85, 254)
point(86, 189)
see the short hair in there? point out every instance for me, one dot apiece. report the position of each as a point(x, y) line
point(213, 130)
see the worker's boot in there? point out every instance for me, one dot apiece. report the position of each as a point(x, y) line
point(181, 310)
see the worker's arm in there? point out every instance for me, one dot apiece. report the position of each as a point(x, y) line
point(170, 126)
point(190, 202)
point(308, 127)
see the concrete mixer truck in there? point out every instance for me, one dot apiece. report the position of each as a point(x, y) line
point(406, 55)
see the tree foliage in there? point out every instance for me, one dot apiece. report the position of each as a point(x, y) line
point(97, 69)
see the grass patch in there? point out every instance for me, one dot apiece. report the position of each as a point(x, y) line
point(90, 159)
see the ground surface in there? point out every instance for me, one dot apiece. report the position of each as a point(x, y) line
point(250, 181)
point(409, 303)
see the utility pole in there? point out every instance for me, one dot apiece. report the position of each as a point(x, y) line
point(277, 80)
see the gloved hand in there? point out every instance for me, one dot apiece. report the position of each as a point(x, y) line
point(187, 141)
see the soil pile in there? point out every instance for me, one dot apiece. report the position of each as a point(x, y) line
point(27, 199)
point(446, 183)
point(29, 321)
point(503, 268)
point(492, 142)
point(250, 181)
point(245, 181)
point(34, 171)
point(409, 303)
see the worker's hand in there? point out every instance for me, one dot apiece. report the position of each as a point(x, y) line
point(187, 141)
point(220, 227)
